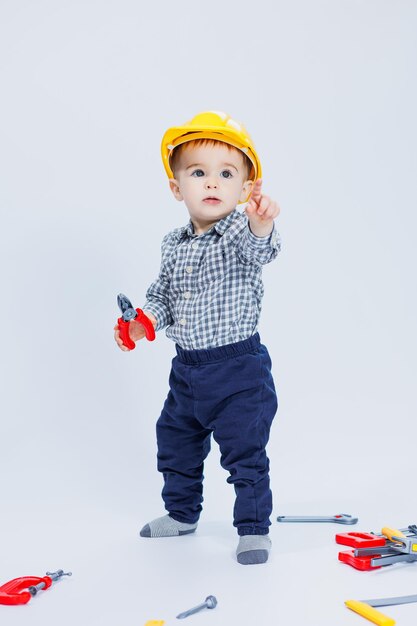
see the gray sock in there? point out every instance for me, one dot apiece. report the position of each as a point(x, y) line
point(165, 526)
point(253, 549)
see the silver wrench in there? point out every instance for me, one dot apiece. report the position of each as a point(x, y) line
point(342, 518)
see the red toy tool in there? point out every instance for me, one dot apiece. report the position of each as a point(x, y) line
point(360, 540)
point(20, 590)
point(129, 314)
point(372, 551)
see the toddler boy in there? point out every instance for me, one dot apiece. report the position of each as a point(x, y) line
point(208, 297)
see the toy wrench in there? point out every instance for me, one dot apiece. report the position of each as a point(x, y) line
point(129, 314)
point(342, 518)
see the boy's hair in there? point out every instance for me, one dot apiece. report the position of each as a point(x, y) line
point(174, 159)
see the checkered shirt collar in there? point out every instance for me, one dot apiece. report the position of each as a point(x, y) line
point(220, 227)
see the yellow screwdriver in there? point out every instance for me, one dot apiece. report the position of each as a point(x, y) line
point(366, 608)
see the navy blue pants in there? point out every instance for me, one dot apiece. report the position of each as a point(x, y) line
point(227, 391)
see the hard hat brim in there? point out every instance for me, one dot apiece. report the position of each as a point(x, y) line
point(179, 135)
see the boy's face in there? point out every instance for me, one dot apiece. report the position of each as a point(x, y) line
point(212, 181)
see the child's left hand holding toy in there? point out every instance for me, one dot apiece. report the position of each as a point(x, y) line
point(261, 211)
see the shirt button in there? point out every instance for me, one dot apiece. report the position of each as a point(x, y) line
point(189, 269)
point(187, 295)
point(194, 246)
point(183, 322)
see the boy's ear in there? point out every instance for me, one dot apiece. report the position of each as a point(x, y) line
point(173, 184)
point(246, 189)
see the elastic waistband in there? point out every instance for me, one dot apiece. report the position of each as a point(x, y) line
point(193, 357)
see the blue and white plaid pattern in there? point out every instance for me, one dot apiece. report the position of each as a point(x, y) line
point(209, 289)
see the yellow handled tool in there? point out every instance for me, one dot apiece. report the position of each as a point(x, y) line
point(392, 532)
point(367, 608)
point(406, 545)
point(370, 613)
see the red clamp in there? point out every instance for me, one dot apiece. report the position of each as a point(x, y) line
point(12, 592)
point(129, 314)
point(20, 590)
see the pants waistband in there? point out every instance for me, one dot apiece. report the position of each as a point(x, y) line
point(194, 357)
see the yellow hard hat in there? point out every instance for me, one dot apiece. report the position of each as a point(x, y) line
point(210, 125)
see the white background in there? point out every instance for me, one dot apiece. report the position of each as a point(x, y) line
point(327, 90)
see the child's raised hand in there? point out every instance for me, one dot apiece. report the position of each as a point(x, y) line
point(261, 211)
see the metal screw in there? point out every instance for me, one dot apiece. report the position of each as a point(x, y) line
point(209, 603)
point(33, 589)
point(56, 575)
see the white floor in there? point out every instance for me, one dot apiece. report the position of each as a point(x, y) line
point(119, 578)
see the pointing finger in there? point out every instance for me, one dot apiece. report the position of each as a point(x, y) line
point(256, 194)
point(264, 205)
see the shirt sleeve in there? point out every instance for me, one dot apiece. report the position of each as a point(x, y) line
point(260, 250)
point(157, 299)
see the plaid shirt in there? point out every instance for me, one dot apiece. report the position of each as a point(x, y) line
point(209, 289)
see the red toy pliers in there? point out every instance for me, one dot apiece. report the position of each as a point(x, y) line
point(14, 592)
point(129, 314)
